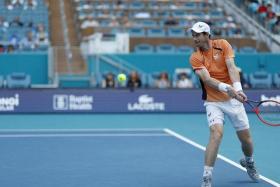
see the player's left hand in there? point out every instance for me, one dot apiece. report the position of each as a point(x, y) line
point(242, 95)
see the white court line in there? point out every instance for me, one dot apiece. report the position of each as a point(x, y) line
point(79, 130)
point(219, 156)
point(81, 135)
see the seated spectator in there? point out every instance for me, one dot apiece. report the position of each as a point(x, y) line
point(270, 14)
point(2, 48)
point(3, 24)
point(42, 37)
point(276, 27)
point(30, 4)
point(126, 22)
point(11, 4)
point(113, 23)
point(28, 42)
point(171, 22)
point(17, 22)
point(14, 40)
point(134, 80)
point(109, 81)
point(243, 81)
point(163, 81)
point(262, 8)
point(10, 48)
point(89, 22)
point(183, 81)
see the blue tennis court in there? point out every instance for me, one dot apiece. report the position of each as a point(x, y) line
point(109, 158)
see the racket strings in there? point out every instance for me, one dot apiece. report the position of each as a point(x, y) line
point(270, 112)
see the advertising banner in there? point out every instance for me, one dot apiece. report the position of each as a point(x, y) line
point(111, 101)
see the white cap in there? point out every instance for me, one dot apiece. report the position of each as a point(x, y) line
point(200, 27)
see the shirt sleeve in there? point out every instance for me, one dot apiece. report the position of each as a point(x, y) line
point(228, 51)
point(196, 63)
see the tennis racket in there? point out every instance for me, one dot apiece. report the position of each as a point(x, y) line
point(268, 111)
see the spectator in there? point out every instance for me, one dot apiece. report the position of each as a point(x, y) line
point(10, 48)
point(29, 41)
point(42, 37)
point(14, 40)
point(2, 48)
point(17, 22)
point(30, 4)
point(276, 27)
point(262, 8)
point(113, 23)
point(243, 80)
point(126, 22)
point(89, 22)
point(3, 24)
point(163, 81)
point(183, 81)
point(134, 80)
point(109, 81)
point(270, 14)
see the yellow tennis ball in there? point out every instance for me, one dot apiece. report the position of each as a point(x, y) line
point(121, 77)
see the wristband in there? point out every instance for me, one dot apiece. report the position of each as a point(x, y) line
point(223, 87)
point(237, 86)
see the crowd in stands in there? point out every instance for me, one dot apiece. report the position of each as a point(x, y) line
point(159, 80)
point(124, 15)
point(266, 12)
point(23, 26)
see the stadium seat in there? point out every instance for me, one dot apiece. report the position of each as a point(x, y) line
point(18, 80)
point(276, 79)
point(144, 48)
point(260, 79)
point(1, 81)
point(137, 32)
point(165, 49)
point(185, 49)
point(156, 32)
point(247, 49)
point(176, 32)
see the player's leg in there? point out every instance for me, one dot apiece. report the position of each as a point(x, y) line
point(215, 119)
point(237, 115)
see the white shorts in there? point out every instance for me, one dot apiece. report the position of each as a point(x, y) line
point(232, 108)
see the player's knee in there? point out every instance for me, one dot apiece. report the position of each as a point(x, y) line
point(216, 133)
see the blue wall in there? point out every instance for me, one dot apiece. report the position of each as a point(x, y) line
point(36, 65)
point(159, 62)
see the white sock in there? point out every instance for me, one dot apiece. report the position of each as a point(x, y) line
point(207, 171)
point(249, 159)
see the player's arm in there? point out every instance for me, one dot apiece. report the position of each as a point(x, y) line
point(204, 75)
point(235, 77)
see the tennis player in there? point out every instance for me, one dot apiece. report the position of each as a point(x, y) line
point(213, 62)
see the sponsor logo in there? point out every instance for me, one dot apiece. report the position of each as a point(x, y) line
point(9, 103)
point(72, 102)
point(276, 98)
point(146, 103)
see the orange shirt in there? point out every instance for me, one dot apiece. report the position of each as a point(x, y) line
point(214, 60)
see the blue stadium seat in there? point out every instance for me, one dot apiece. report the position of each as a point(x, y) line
point(247, 49)
point(18, 80)
point(137, 5)
point(176, 32)
point(1, 81)
point(276, 80)
point(144, 48)
point(166, 49)
point(156, 32)
point(137, 32)
point(260, 79)
point(185, 49)
point(149, 23)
